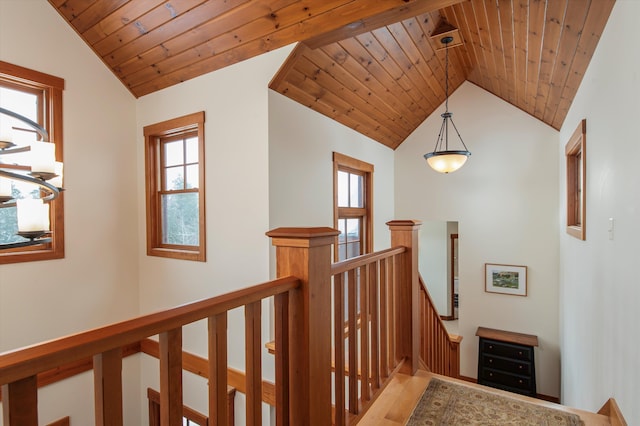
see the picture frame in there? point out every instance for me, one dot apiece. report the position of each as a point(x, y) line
point(505, 279)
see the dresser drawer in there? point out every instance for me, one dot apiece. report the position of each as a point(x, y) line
point(506, 350)
point(505, 379)
point(506, 365)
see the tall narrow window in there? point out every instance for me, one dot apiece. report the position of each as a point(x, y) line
point(175, 188)
point(38, 97)
point(353, 200)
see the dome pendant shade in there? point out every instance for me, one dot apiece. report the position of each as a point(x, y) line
point(447, 161)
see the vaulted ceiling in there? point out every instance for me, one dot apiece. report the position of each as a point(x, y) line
point(368, 64)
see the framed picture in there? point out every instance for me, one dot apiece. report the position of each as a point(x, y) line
point(505, 279)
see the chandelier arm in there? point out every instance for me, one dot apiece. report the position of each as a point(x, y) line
point(52, 191)
point(27, 243)
point(38, 128)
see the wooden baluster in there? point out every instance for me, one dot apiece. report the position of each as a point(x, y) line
point(352, 285)
point(281, 304)
point(375, 326)
point(364, 334)
point(20, 402)
point(253, 361)
point(339, 343)
point(218, 397)
point(306, 254)
point(384, 320)
point(107, 382)
point(423, 328)
point(393, 319)
point(171, 378)
point(405, 233)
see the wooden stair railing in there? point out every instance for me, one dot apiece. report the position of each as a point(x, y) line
point(19, 369)
point(365, 354)
point(381, 289)
point(439, 350)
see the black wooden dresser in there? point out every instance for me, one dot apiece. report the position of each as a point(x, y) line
point(506, 360)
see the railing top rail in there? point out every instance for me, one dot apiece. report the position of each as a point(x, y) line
point(453, 338)
point(29, 361)
point(365, 259)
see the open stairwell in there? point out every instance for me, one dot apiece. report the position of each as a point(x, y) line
point(356, 342)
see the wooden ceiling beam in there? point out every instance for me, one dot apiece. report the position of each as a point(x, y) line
point(384, 18)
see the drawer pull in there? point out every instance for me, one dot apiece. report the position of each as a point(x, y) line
point(520, 367)
point(519, 352)
point(490, 374)
point(520, 381)
point(490, 346)
point(490, 361)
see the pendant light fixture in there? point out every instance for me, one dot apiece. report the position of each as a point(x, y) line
point(443, 159)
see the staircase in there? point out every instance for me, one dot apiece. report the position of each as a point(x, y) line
point(344, 333)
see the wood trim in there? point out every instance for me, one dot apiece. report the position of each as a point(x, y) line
point(576, 163)
point(51, 88)
point(406, 11)
point(168, 128)
point(341, 161)
point(26, 76)
point(611, 410)
point(452, 241)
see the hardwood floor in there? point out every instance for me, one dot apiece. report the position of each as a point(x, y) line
point(396, 403)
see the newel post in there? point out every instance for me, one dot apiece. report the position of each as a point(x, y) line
point(306, 254)
point(405, 233)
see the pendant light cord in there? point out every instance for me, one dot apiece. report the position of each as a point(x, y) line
point(446, 77)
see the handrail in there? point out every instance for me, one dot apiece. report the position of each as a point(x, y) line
point(365, 259)
point(21, 363)
point(440, 351)
point(19, 368)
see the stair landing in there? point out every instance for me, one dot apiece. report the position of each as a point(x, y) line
point(396, 403)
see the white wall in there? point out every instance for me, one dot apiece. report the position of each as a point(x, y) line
point(600, 289)
point(96, 283)
point(301, 143)
point(235, 102)
point(433, 255)
point(505, 200)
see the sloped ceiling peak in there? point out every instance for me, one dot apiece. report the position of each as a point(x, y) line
point(385, 82)
point(368, 64)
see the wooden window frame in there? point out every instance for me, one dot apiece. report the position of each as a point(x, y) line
point(49, 90)
point(575, 152)
point(192, 123)
point(343, 162)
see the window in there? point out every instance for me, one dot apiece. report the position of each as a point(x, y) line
point(37, 96)
point(174, 152)
point(353, 217)
point(576, 181)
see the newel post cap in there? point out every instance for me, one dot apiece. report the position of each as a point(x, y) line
point(406, 223)
point(303, 237)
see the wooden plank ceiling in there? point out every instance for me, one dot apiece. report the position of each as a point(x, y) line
point(368, 64)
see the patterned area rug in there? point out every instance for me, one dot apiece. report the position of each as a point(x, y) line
point(445, 403)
